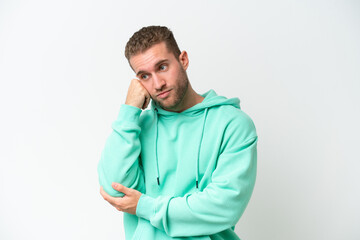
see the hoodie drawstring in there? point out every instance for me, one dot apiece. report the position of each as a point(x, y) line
point(156, 140)
point(199, 147)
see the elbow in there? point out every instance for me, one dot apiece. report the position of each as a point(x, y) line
point(112, 192)
point(106, 183)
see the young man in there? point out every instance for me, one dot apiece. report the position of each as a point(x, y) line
point(186, 167)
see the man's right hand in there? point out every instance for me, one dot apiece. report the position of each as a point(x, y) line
point(137, 95)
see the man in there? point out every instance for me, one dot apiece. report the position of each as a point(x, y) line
point(186, 167)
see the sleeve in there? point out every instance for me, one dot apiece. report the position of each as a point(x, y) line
point(119, 160)
point(220, 205)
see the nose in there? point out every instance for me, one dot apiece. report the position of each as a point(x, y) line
point(159, 82)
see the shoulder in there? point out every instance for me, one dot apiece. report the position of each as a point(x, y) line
point(236, 121)
point(233, 115)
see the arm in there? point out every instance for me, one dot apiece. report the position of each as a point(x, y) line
point(220, 205)
point(120, 158)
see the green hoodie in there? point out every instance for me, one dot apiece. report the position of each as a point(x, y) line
point(196, 169)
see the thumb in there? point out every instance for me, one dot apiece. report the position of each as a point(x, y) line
point(121, 188)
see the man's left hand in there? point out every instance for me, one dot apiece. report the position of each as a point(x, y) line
point(127, 203)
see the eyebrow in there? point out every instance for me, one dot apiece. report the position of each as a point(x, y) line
point(156, 65)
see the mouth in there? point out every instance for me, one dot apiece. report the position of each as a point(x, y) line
point(164, 94)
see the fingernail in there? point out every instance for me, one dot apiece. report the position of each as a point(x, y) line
point(115, 185)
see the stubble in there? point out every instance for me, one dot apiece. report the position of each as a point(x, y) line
point(178, 92)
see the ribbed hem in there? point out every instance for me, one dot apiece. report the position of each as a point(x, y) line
point(129, 113)
point(145, 207)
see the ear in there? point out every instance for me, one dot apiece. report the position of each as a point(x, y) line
point(184, 60)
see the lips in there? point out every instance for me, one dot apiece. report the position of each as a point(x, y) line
point(164, 94)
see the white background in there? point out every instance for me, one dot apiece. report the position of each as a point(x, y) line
point(293, 64)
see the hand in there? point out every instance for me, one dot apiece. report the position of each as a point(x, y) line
point(137, 95)
point(127, 203)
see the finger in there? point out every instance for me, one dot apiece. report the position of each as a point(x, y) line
point(103, 193)
point(117, 207)
point(121, 188)
point(106, 196)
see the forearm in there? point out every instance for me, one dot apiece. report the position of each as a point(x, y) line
point(120, 157)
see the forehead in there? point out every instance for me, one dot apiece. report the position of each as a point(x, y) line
point(145, 61)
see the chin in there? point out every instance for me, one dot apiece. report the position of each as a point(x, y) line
point(167, 105)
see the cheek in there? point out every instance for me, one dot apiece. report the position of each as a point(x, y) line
point(174, 75)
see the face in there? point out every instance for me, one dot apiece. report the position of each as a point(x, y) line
point(162, 75)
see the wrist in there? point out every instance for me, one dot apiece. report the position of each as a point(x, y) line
point(145, 207)
point(134, 104)
point(129, 113)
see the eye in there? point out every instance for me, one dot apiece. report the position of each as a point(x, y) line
point(144, 76)
point(163, 67)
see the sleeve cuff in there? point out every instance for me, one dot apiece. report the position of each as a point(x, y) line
point(145, 207)
point(129, 113)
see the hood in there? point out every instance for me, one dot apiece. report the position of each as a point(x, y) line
point(211, 99)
